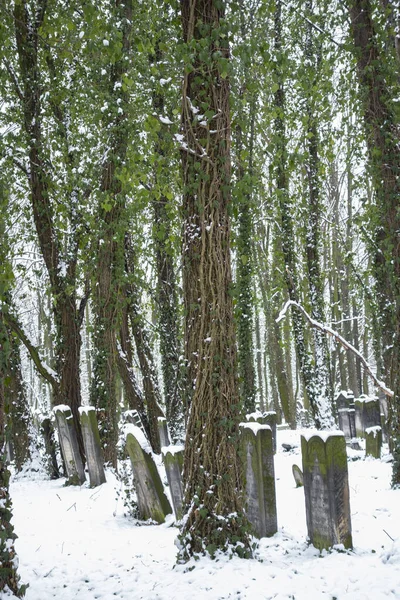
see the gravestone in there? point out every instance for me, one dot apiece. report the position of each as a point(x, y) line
point(69, 445)
point(265, 418)
point(326, 489)
point(163, 431)
point(368, 414)
point(152, 501)
point(298, 476)
point(173, 462)
point(359, 404)
point(258, 456)
point(372, 413)
point(373, 441)
point(352, 414)
point(342, 406)
point(91, 441)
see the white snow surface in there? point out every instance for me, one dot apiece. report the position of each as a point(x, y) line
point(254, 426)
point(324, 435)
point(75, 543)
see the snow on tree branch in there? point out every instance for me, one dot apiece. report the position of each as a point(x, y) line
point(329, 331)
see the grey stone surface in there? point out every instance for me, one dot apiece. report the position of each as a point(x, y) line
point(69, 445)
point(298, 476)
point(326, 490)
point(372, 413)
point(258, 456)
point(173, 461)
point(163, 431)
point(342, 400)
point(367, 414)
point(152, 501)
point(345, 422)
point(373, 441)
point(91, 441)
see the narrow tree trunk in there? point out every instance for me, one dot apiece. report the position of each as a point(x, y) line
point(110, 248)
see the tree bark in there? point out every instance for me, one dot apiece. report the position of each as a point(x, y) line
point(379, 88)
point(214, 488)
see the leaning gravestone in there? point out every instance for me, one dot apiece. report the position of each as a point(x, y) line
point(91, 441)
point(373, 441)
point(265, 418)
point(152, 501)
point(258, 456)
point(298, 476)
point(69, 445)
point(326, 489)
point(173, 462)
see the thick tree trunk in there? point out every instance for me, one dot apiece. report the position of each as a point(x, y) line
point(214, 489)
point(379, 88)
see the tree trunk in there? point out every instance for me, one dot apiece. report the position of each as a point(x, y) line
point(214, 488)
point(110, 248)
point(378, 91)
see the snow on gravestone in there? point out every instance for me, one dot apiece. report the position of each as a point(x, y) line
point(373, 441)
point(173, 462)
point(258, 456)
point(69, 445)
point(368, 414)
point(91, 441)
point(265, 418)
point(326, 489)
point(152, 501)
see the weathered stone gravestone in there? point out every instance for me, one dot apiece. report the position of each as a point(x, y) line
point(326, 489)
point(373, 441)
point(91, 441)
point(152, 501)
point(298, 476)
point(372, 413)
point(173, 462)
point(368, 414)
point(258, 456)
point(163, 431)
point(352, 415)
point(343, 408)
point(69, 445)
point(265, 418)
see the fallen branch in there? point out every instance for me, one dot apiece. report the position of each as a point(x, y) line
point(329, 331)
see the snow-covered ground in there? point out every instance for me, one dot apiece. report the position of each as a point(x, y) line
point(76, 543)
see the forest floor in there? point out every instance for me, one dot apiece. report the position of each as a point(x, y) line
point(76, 543)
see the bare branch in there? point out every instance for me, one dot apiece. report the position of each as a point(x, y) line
point(329, 331)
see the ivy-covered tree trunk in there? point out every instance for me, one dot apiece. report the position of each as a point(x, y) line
point(323, 387)
point(379, 91)
point(109, 296)
point(214, 500)
point(152, 394)
point(169, 318)
point(62, 273)
point(16, 405)
point(9, 578)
